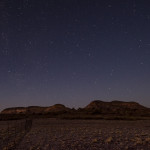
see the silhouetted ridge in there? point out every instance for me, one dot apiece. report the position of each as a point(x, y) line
point(96, 107)
point(116, 107)
point(57, 108)
point(14, 110)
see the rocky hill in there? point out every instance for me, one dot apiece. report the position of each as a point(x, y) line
point(116, 107)
point(97, 107)
point(57, 108)
point(14, 110)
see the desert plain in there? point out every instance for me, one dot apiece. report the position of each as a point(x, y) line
point(60, 134)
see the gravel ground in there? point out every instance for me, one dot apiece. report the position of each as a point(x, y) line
point(52, 134)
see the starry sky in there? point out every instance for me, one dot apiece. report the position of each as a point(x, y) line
point(74, 51)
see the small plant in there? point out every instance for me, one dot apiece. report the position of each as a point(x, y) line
point(137, 141)
point(147, 140)
point(109, 140)
point(95, 140)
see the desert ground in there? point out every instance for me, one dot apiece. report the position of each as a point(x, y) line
point(57, 134)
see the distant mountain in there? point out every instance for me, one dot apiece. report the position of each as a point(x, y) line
point(57, 108)
point(35, 110)
point(96, 107)
point(116, 107)
point(14, 110)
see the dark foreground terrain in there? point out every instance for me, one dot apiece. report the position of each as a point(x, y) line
point(55, 134)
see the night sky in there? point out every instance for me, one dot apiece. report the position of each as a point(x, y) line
point(74, 51)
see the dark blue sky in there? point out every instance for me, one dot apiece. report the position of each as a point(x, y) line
point(74, 51)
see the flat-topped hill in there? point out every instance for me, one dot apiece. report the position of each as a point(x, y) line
point(116, 107)
point(98, 104)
